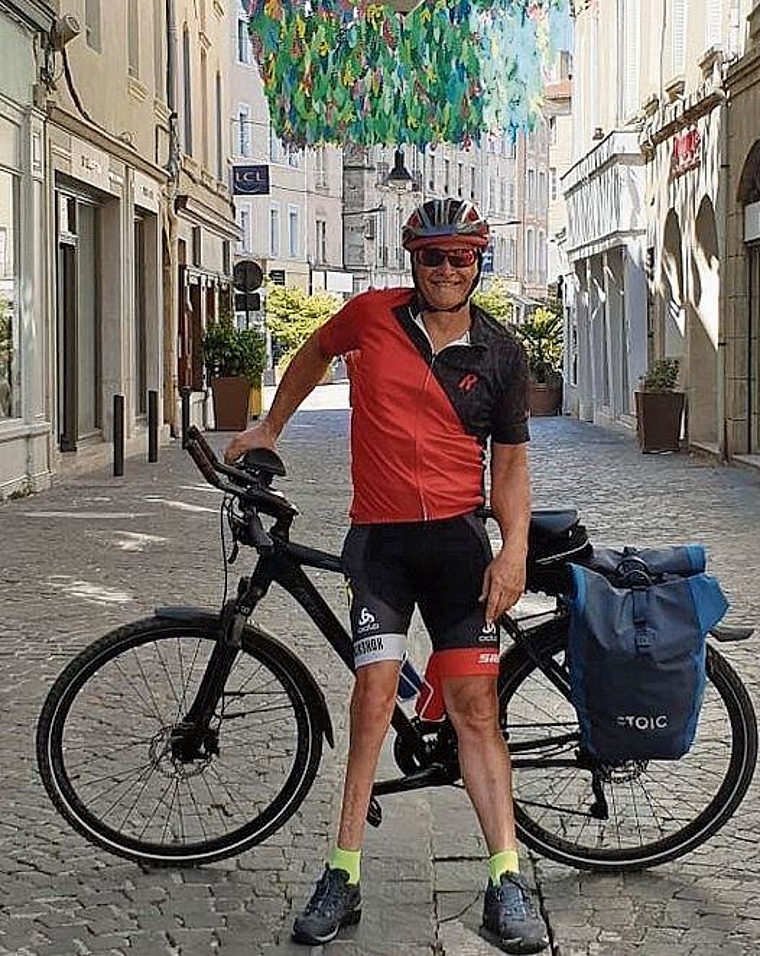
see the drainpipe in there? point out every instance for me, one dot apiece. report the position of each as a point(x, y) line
point(171, 229)
point(722, 214)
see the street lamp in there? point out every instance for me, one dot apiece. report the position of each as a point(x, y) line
point(399, 177)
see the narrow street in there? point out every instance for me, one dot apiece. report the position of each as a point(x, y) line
point(97, 551)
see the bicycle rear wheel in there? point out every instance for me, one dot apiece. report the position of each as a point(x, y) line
point(657, 810)
point(106, 760)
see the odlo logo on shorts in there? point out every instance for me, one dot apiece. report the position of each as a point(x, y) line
point(367, 621)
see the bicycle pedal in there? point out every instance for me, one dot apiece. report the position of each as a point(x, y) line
point(374, 813)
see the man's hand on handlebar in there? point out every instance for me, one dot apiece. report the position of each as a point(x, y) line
point(260, 435)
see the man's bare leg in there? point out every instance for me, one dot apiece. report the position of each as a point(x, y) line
point(372, 706)
point(510, 917)
point(472, 706)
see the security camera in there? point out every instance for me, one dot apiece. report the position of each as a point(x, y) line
point(64, 30)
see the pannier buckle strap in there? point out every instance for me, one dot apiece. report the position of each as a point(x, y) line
point(642, 634)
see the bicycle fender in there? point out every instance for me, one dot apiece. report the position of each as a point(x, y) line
point(303, 677)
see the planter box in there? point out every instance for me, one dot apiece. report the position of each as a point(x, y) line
point(231, 399)
point(658, 420)
point(545, 399)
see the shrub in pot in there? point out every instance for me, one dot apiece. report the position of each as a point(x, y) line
point(659, 408)
point(234, 360)
point(541, 334)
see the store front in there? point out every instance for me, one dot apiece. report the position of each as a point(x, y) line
point(106, 296)
point(740, 292)
point(24, 420)
point(684, 146)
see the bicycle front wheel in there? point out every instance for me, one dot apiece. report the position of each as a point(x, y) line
point(656, 810)
point(104, 745)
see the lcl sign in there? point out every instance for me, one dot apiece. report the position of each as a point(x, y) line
point(686, 152)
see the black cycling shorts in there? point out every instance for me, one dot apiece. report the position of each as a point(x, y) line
point(436, 565)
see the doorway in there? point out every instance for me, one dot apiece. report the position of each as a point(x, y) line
point(78, 322)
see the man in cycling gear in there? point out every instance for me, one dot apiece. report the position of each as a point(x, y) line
point(433, 379)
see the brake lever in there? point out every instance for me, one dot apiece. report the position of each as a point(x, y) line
point(232, 557)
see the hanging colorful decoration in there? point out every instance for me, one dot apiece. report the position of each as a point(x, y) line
point(355, 71)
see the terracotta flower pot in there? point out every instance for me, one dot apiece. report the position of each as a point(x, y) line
point(545, 399)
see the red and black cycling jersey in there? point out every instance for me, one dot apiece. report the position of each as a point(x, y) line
point(420, 421)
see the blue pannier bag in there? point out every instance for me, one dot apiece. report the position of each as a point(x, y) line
point(636, 650)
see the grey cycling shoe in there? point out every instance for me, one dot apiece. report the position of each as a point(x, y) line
point(510, 919)
point(333, 904)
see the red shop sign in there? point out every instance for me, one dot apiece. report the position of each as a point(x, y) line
point(686, 152)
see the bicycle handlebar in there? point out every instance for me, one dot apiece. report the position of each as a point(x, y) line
point(244, 484)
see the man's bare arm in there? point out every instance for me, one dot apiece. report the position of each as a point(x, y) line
point(302, 375)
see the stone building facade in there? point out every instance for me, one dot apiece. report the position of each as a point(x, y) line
point(650, 147)
point(740, 292)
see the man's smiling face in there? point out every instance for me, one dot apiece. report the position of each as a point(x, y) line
point(445, 274)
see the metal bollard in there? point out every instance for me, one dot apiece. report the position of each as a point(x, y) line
point(185, 392)
point(152, 425)
point(118, 435)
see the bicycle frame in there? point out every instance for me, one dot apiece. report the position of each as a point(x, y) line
point(283, 564)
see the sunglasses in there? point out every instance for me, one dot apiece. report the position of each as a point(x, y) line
point(456, 258)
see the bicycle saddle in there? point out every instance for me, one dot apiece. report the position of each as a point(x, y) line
point(553, 522)
point(264, 464)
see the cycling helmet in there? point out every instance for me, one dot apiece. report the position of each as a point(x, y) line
point(440, 220)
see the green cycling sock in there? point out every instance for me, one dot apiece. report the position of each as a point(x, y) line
point(507, 861)
point(347, 860)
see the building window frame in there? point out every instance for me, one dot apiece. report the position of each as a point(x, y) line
point(187, 93)
point(243, 145)
point(294, 232)
point(274, 230)
point(133, 39)
point(320, 244)
point(92, 25)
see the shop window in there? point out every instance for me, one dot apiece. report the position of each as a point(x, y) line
point(9, 332)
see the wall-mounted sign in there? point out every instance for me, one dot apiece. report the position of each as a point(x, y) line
point(686, 152)
point(250, 180)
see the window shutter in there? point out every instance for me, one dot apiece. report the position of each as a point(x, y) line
point(678, 35)
point(714, 24)
point(632, 54)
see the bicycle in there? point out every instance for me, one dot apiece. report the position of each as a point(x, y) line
point(192, 736)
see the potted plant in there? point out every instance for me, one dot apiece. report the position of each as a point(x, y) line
point(235, 360)
point(659, 407)
point(541, 334)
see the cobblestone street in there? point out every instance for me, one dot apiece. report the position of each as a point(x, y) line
point(96, 552)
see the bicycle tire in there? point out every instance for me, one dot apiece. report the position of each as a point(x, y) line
point(104, 729)
point(555, 821)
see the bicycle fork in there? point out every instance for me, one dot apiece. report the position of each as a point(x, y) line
point(194, 736)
